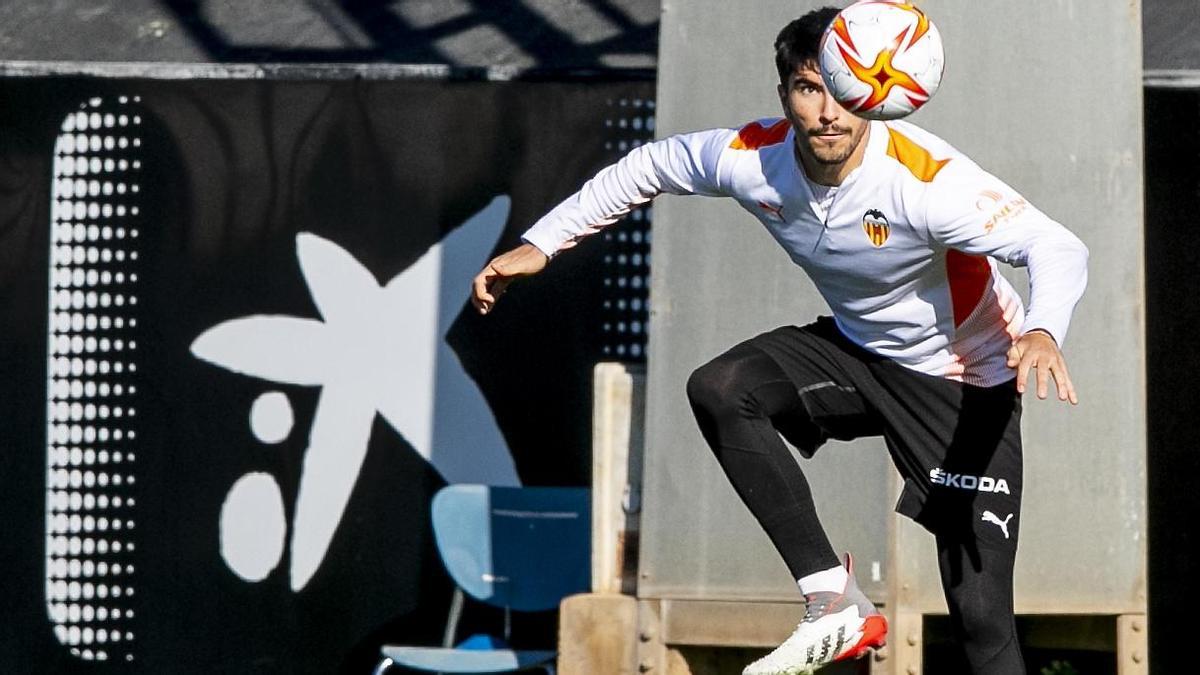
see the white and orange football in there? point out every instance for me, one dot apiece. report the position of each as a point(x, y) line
point(882, 59)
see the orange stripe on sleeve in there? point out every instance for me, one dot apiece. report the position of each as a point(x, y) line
point(914, 157)
point(754, 136)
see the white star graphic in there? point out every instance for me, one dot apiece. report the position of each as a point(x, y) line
point(376, 349)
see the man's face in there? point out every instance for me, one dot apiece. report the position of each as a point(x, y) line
point(825, 132)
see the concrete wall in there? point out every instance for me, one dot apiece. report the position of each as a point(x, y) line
point(1021, 95)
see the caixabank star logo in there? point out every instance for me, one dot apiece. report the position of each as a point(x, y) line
point(374, 350)
point(240, 359)
point(371, 353)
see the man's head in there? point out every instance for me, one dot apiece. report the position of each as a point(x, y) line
point(826, 134)
point(800, 41)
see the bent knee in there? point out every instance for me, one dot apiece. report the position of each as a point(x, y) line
point(733, 384)
point(725, 384)
point(708, 386)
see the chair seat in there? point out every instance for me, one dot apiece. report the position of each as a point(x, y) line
point(437, 659)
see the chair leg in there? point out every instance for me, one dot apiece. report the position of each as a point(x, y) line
point(452, 619)
point(383, 666)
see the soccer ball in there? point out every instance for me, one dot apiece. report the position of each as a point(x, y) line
point(881, 59)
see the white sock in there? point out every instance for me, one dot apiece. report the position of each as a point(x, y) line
point(832, 580)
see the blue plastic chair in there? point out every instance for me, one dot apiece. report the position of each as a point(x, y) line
point(517, 548)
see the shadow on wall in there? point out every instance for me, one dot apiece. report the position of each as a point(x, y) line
point(526, 33)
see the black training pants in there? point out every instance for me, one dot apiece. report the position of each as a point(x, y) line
point(957, 446)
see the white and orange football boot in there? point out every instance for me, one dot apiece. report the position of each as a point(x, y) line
point(835, 627)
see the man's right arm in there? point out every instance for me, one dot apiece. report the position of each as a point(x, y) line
point(682, 164)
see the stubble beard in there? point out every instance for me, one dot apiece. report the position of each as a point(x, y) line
point(835, 154)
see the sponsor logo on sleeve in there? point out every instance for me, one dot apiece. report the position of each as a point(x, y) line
point(1000, 210)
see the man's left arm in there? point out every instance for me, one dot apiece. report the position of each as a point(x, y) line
point(973, 212)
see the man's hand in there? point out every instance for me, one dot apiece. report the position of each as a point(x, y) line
point(1037, 350)
point(490, 283)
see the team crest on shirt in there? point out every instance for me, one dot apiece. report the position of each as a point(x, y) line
point(876, 226)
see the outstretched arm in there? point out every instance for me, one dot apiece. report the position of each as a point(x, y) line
point(684, 164)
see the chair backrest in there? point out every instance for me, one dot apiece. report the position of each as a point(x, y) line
point(524, 548)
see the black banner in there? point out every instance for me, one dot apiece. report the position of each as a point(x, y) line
point(238, 359)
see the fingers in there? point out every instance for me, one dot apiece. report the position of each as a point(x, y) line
point(1014, 356)
point(491, 283)
point(1024, 362)
point(1066, 389)
point(1045, 367)
point(1055, 368)
point(487, 288)
point(481, 295)
point(1042, 374)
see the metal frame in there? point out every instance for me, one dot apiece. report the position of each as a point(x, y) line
point(1171, 79)
point(311, 71)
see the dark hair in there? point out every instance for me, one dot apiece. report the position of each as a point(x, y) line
point(800, 40)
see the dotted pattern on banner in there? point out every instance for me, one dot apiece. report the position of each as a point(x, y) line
point(92, 382)
point(624, 318)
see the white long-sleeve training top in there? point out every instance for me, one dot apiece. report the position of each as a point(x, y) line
point(903, 251)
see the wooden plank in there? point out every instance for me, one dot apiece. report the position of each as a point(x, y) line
point(904, 653)
point(597, 634)
point(617, 421)
point(653, 657)
point(1133, 655)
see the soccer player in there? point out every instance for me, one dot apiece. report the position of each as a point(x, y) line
point(928, 345)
